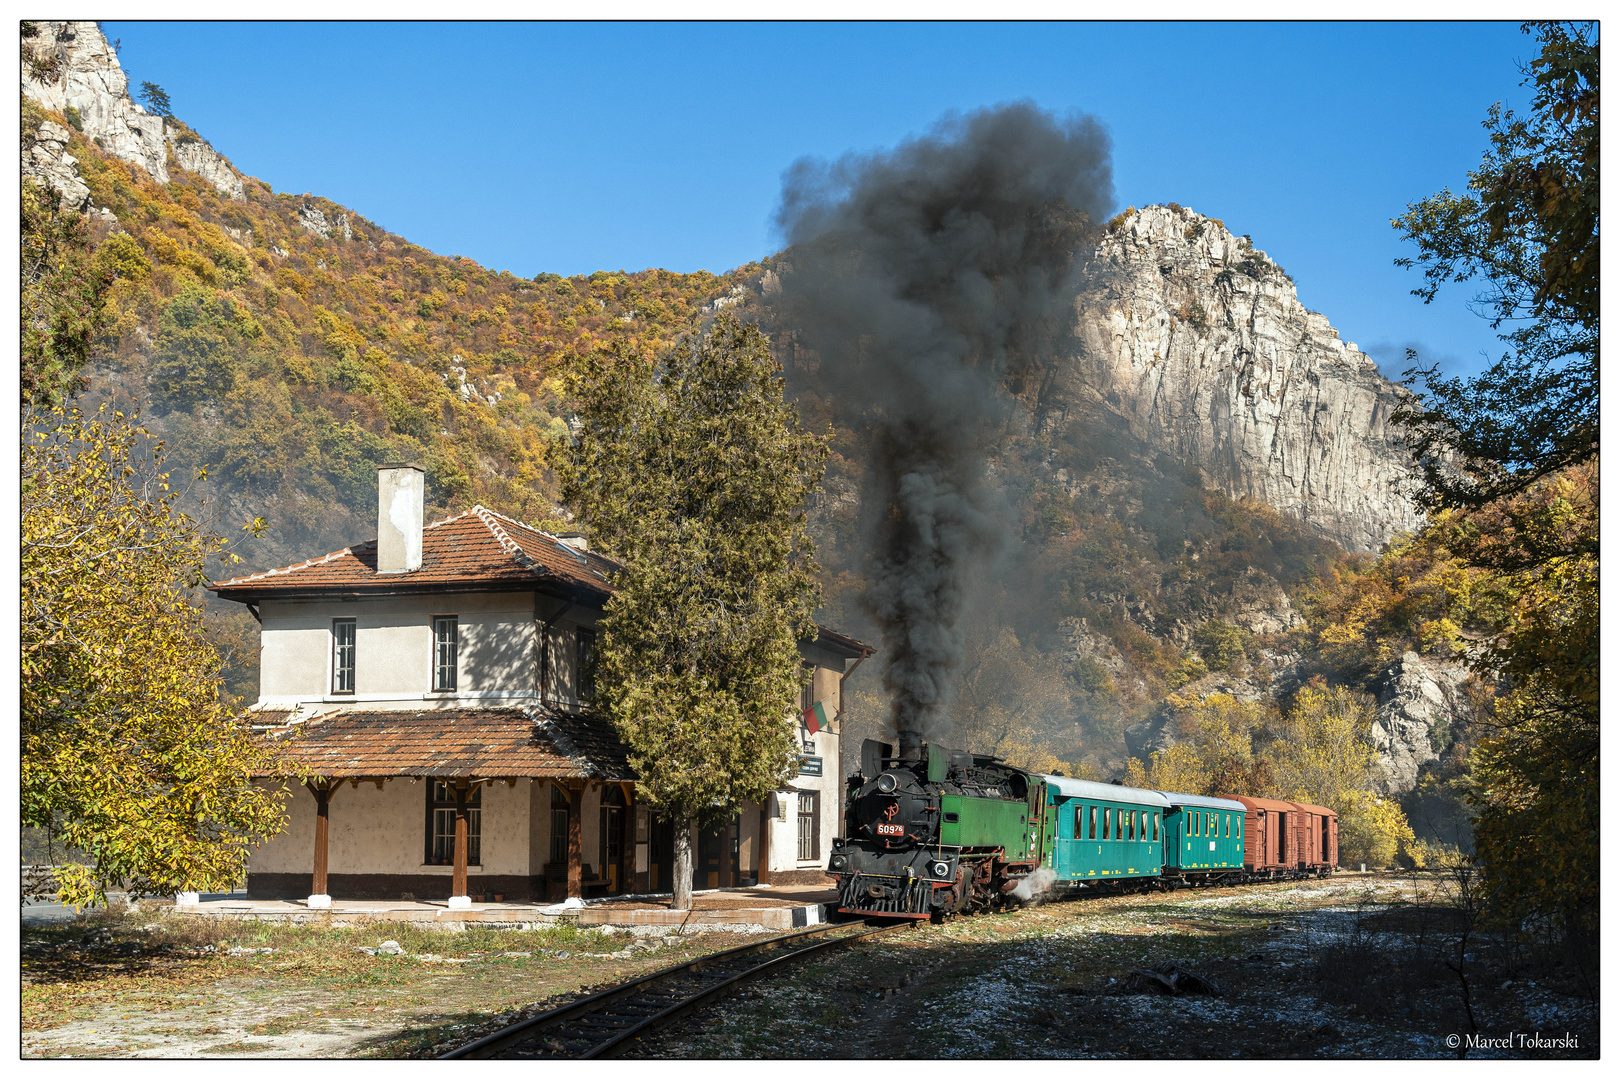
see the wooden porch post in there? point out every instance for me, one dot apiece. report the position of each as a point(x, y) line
point(458, 878)
point(576, 844)
point(322, 790)
point(764, 859)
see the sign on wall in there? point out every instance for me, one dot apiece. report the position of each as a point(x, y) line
point(809, 766)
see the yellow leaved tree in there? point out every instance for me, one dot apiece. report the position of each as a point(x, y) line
point(129, 756)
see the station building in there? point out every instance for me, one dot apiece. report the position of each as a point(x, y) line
point(437, 682)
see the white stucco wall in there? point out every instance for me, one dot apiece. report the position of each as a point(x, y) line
point(496, 654)
point(385, 832)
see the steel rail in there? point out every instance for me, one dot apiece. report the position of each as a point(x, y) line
point(599, 1003)
point(620, 1042)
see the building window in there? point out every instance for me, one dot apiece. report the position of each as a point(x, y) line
point(342, 656)
point(585, 659)
point(445, 636)
point(559, 826)
point(441, 832)
point(809, 826)
point(610, 830)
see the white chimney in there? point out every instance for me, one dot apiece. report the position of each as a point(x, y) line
point(399, 517)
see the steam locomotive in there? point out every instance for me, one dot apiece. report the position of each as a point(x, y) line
point(936, 831)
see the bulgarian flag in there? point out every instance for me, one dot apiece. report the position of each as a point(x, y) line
point(817, 717)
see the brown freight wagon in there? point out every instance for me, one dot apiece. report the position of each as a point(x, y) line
point(1318, 842)
point(1284, 839)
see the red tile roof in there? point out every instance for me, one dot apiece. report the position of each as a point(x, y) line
point(475, 548)
point(493, 742)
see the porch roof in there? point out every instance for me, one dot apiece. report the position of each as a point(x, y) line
point(478, 742)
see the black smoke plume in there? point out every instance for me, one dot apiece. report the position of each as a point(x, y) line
point(932, 284)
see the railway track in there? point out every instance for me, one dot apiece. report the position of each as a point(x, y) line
point(608, 1022)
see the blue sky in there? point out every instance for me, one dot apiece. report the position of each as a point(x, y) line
point(578, 146)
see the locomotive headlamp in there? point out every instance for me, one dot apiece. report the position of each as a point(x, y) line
point(838, 862)
point(887, 783)
point(940, 869)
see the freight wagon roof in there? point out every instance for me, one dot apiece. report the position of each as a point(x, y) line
point(1274, 805)
point(1071, 788)
point(1181, 798)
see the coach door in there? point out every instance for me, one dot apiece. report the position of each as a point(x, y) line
point(1282, 839)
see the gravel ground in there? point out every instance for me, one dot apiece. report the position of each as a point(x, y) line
point(111, 986)
point(1352, 967)
point(1302, 970)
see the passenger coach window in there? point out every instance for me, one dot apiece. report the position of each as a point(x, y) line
point(1093, 823)
point(1107, 834)
point(1155, 826)
point(1131, 815)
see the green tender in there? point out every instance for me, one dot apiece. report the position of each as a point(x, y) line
point(987, 823)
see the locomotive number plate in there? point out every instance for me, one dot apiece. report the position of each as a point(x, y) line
point(890, 830)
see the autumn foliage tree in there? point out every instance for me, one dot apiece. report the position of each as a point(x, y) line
point(129, 755)
point(695, 472)
point(1517, 449)
point(64, 297)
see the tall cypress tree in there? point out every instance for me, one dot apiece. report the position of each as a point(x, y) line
point(696, 473)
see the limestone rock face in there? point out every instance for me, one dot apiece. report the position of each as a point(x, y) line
point(312, 219)
point(90, 80)
point(1200, 343)
point(198, 157)
point(1419, 702)
point(45, 159)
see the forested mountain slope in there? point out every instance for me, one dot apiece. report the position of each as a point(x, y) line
point(1173, 496)
point(291, 345)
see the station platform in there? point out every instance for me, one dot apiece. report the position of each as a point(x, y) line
point(749, 909)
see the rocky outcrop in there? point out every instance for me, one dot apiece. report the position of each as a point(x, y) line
point(1199, 342)
point(1420, 705)
point(89, 80)
point(45, 159)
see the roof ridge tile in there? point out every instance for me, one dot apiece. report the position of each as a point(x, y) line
point(508, 545)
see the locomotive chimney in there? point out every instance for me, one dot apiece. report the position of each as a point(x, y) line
point(911, 746)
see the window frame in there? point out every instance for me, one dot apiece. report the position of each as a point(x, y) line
point(352, 625)
point(475, 823)
point(585, 659)
point(809, 805)
point(558, 847)
point(454, 622)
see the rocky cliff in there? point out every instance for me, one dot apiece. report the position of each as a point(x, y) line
point(87, 82)
point(1200, 343)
